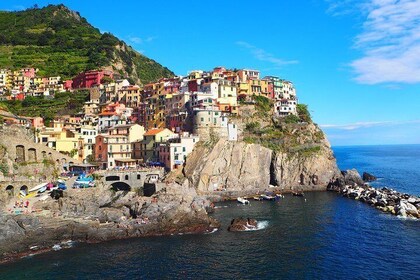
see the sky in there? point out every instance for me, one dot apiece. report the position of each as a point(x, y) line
point(355, 63)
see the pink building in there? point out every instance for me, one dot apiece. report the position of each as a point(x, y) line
point(91, 78)
point(28, 72)
point(68, 84)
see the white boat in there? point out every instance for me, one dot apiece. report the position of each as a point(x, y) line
point(242, 200)
point(267, 197)
point(37, 187)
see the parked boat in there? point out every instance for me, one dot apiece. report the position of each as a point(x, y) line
point(242, 200)
point(267, 197)
point(279, 195)
point(257, 198)
point(37, 187)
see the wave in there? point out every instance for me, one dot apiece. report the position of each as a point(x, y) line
point(221, 206)
point(260, 225)
point(213, 231)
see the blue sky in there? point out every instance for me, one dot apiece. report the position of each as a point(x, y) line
point(356, 63)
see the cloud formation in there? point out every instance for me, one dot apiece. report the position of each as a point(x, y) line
point(390, 42)
point(263, 55)
point(139, 40)
point(358, 125)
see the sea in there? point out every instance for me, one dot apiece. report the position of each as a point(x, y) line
point(320, 236)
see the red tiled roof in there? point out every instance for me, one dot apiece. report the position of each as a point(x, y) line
point(153, 131)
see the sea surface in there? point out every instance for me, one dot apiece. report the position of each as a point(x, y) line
point(321, 236)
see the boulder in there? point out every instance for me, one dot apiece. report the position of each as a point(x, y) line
point(352, 177)
point(241, 224)
point(367, 177)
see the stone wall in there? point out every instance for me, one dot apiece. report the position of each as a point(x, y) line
point(26, 163)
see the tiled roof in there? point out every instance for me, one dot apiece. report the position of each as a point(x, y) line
point(153, 131)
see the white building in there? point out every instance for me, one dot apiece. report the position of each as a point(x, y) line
point(285, 107)
point(175, 151)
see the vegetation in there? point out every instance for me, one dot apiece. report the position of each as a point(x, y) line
point(303, 113)
point(292, 119)
point(62, 103)
point(4, 168)
point(263, 105)
point(59, 41)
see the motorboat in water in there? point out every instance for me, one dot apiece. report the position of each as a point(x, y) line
point(268, 197)
point(242, 200)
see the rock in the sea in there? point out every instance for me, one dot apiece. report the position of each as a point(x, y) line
point(241, 224)
point(367, 177)
point(352, 177)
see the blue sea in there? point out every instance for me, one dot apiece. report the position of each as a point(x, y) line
point(325, 236)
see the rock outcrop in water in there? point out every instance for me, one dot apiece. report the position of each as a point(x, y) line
point(385, 199)
point(367, 177)
point(241, 224)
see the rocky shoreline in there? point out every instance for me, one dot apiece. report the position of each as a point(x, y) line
point(351, 185)
point(99, 214)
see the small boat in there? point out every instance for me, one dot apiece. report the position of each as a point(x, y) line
point(56, 247)
point(43, 189)
point(298, 194)
point(258, 198)
point(38, 187)
point(267, 197)
point(279, 195)
point(242, 200)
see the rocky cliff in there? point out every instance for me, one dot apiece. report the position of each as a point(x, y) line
point(289, 156)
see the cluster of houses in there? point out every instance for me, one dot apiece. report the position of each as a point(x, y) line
point(124, 125)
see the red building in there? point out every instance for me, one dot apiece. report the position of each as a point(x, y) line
point(68, 84)
point(91, 78)
point(192, 86)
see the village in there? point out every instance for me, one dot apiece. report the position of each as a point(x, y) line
point(125, 126)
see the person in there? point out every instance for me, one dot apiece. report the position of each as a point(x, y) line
point(26, 203)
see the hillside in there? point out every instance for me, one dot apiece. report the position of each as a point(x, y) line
point(59, 41)
point(63, 103)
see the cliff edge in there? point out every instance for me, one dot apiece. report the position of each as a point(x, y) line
point(286, 153)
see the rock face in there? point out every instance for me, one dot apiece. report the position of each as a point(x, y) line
point(238, 166)
point(368, 177)
point(352, 177)
point(241, 224)
point(292, 170)
point(232, 165)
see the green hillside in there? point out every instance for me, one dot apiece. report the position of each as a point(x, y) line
point(59, 41)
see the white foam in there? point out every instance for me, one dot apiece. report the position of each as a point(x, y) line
point(213, 231)
point(260, 225)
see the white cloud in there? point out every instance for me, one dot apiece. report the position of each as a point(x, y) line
point(390, 43)
point(358, 125)
point(139, 40)
point(136, 40)
point(262, 55)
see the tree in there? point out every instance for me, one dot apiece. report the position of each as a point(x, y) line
point(106, 80)
point(303, 113)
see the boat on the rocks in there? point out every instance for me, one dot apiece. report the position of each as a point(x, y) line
point(84, 182)
point(242, 200)
point(38, 187)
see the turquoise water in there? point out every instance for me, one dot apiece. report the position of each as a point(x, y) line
point(324, 237)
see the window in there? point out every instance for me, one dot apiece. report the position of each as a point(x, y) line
point(183, 149)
